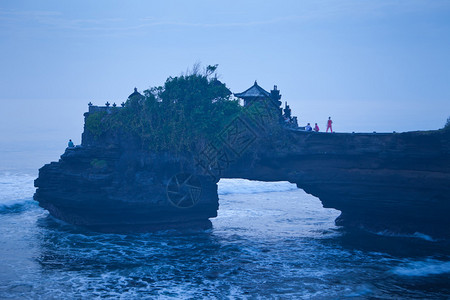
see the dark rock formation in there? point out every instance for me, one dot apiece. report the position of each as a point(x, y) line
point(398, 182)
point(112, 189)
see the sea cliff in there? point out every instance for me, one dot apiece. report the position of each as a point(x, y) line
point(396, 182)
point(154, 162)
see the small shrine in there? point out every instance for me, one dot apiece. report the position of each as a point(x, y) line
point(254, 93)
point(135, 94)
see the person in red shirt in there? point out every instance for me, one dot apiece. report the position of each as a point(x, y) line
point(329, 124)
point(316, 128)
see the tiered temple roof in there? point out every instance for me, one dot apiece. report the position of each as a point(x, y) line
point(253, 93)
point(135, 93)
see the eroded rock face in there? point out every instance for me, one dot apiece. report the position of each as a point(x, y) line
point(395, 182)
point(111, 189)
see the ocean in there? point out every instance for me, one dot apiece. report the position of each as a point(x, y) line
point(270, 240)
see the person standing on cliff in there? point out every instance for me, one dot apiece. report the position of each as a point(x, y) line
point(329, 125)
point(70, 144)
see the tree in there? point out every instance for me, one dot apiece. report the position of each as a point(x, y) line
point(186, 111)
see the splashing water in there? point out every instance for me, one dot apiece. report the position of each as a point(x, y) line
point(270, 240)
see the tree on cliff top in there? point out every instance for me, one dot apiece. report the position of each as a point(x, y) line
point(186, 111)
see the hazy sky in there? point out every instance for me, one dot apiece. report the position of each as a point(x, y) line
point(370, 65)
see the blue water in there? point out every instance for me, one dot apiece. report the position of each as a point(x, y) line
point(270, 240)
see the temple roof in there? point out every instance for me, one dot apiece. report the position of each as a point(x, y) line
point(253, 92)
point(135, 93)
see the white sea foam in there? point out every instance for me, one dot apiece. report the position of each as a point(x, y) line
point(417, 235)
point(15, 188)
point(423, 268)
point(423, 236)
point(244, 186)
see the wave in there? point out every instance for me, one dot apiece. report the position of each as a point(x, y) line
point(244, 186)
point(423, 268)
point(417, 235)
point(423, 237)
point(20, 206)
point(16, 191)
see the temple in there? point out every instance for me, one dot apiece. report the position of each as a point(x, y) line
point(256, 93)
point(392, 182)
point(135, 94)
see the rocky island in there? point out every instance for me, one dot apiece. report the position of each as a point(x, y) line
point(155, 161)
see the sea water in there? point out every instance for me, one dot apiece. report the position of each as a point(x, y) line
point(270, 240)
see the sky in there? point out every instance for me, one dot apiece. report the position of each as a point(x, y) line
point(371, 65)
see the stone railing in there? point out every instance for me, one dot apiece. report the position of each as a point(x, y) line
point(108, 108)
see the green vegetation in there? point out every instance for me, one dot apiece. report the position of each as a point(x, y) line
point(188, 110)
point(447, 125)
point(94, 124)
point(98, 163)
